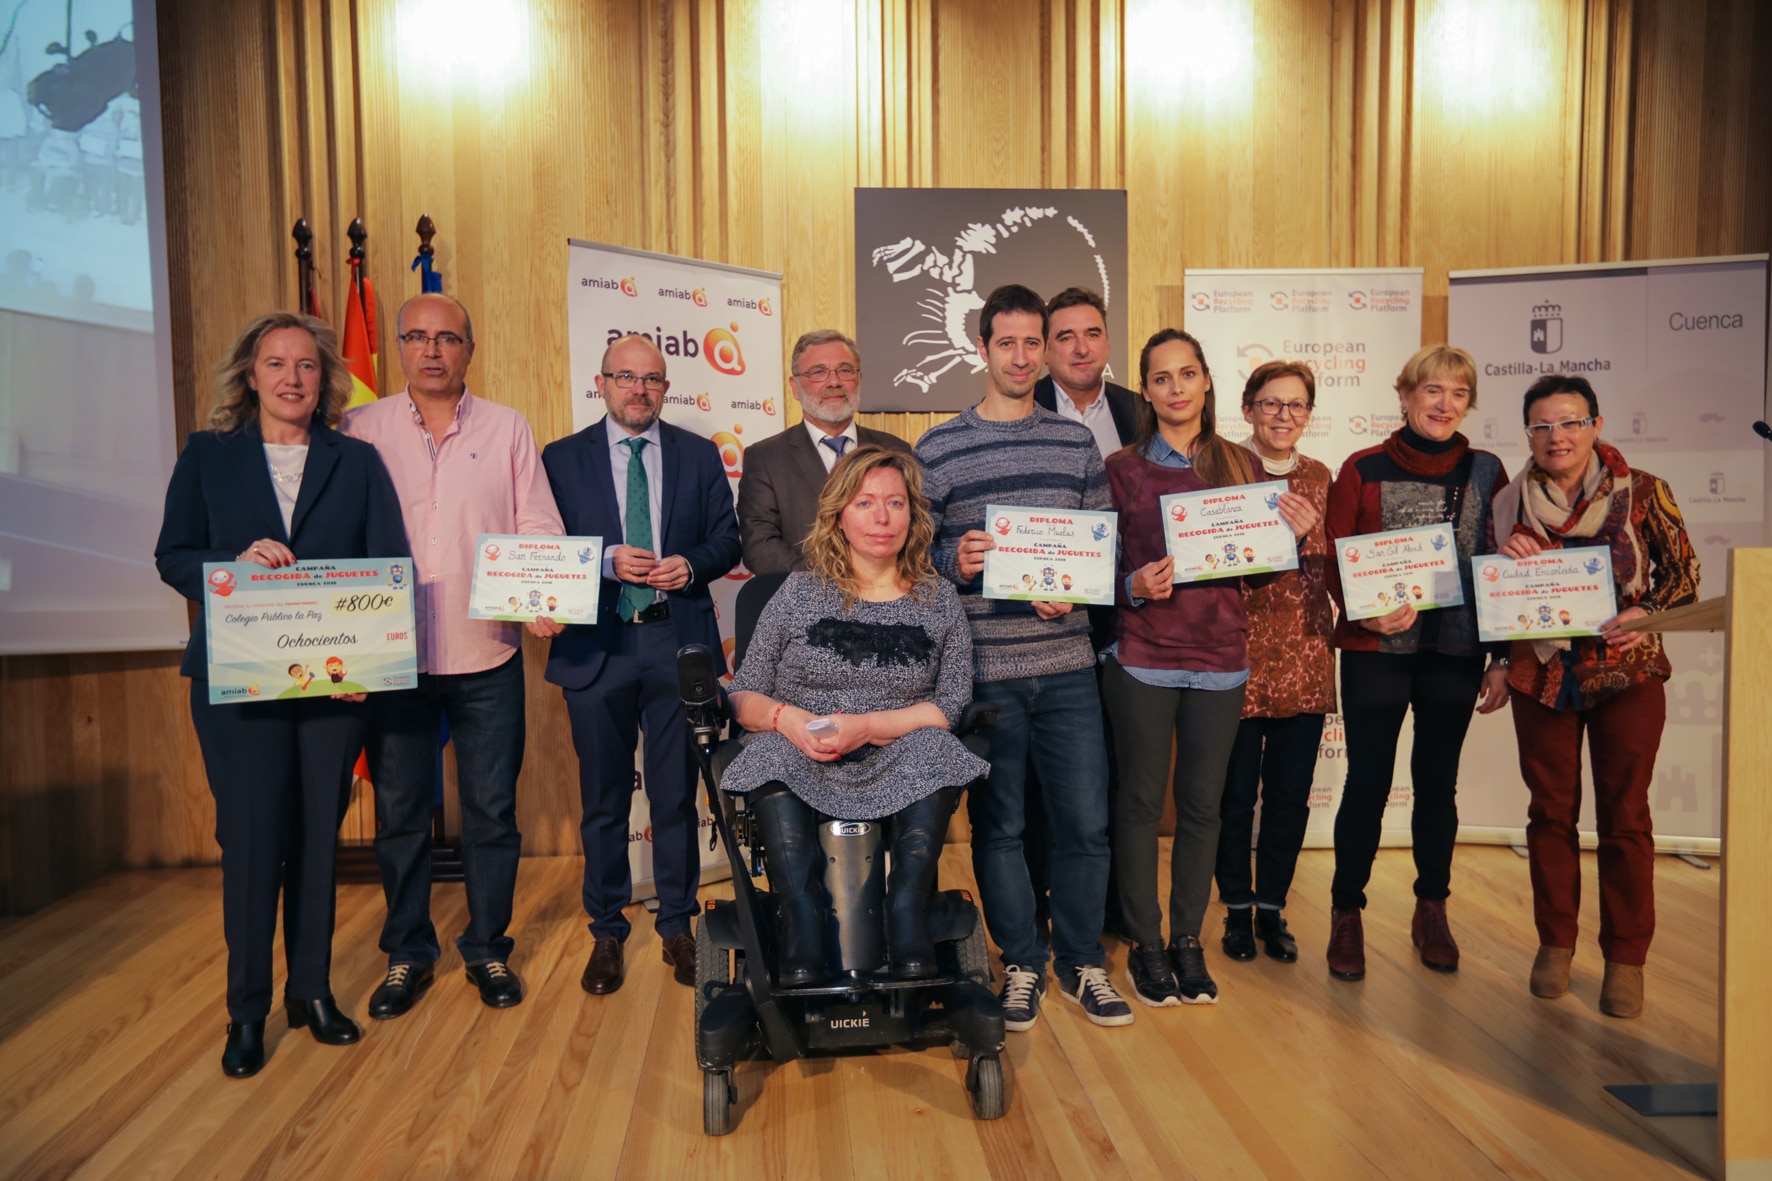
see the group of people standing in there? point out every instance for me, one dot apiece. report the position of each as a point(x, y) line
point(1216, 691)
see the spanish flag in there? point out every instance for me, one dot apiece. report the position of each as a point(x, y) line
point(359, 341)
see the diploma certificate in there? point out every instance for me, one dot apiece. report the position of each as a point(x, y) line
point(308, 630)
point(1561, 592)
point(1382, 571)
point(518, 578)
point(1228, 532)
point(1056, 555)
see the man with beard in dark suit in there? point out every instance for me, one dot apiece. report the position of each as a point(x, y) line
point(783, 476)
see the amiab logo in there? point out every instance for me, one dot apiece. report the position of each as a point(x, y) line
point(703, 403)
point(721, 349)
point(731, 450)
point(764, 307)
point(769, 407)
point(630, 288)
point(700, 296)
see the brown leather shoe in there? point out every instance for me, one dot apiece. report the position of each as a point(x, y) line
point(679, 953)
point(1550, 971)
point(603, 974)
point(1432, 936)
point(1621, 992)
point(1347, 945)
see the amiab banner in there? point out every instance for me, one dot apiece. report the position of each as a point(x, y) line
point(1676, 354)
point(1354, 328)
point(719, 329)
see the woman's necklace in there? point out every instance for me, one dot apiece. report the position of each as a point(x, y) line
point(287, 476)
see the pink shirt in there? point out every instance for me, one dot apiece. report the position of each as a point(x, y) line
point(484, 477)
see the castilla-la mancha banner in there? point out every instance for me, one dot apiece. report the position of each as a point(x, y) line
point(719, 328)
point(1354, 328)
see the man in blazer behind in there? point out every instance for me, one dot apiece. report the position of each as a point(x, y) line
point(658, 497)
point(783, 476)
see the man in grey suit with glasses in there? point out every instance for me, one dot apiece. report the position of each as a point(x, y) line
point(783, 476)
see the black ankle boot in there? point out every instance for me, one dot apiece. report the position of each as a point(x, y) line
point(245, 1052)
point(1239, 933)
point(1276, 940)
point(789, 828)
point(917, 833)
point(322, 1019)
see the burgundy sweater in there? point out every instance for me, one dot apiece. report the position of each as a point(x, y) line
point(1202, 625)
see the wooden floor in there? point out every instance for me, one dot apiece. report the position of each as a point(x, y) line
point(111, 1024)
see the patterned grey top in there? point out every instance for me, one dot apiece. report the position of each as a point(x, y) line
point(811, 653)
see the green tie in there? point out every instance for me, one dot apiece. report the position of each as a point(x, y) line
point(635, 599)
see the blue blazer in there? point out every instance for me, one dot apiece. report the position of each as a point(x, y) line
point(699, 525)
point(221, 500)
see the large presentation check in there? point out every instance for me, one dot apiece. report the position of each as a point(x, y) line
point(1560, 592)
point(1053, 555)
point(1228, 532)
point(1383, 571)
point(518, 578)
point(308, 630)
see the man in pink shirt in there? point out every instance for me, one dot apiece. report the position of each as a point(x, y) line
point(462, 467)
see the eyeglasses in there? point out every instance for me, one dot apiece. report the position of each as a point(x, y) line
point(1273, 409)
point(654, 382)
point(1544, 430)
point(818, 374)
point(443, 340)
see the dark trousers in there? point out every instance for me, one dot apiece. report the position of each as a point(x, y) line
point(1037, 840)
point(1623, 735)
point(1202, 724)
point(486, 720)
point(1277, 758)
point(280, 772)
point(1377, 688)
point(636, 692)
point(1052, 726)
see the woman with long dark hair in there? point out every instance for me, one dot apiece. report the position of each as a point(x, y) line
point(1176, 670)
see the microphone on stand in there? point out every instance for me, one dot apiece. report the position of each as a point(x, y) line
point(1764, 431)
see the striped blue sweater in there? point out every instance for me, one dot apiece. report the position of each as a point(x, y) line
point(1041, 461)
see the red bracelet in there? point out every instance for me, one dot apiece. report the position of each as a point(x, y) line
point(776, 717)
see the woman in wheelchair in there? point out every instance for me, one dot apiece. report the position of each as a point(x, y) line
point(857, 671)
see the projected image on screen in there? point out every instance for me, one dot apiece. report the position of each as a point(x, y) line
point(86, 442)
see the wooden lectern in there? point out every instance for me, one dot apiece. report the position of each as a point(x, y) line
point(1741, 1100)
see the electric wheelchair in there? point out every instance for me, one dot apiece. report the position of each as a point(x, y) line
point(740, 1008)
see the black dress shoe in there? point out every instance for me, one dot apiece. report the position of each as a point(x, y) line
point(400, 991)
point(498, 985)
point(603, 974)
point(679, 953)
point(1239, 933)
point(245, 1052)
point(322, 1019)
point(1276, 940)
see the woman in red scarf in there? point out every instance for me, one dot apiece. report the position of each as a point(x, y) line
point(1578, 491)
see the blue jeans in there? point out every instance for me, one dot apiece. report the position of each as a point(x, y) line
point(1053, 726)
point(486, 719)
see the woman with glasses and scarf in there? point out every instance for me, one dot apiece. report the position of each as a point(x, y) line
point(1579, 491)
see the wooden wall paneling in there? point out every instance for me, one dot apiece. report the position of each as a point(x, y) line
point(1290, 185)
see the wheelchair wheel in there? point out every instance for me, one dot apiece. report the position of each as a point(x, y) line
point(713, 967)
point(717, 1098)
point(974, 954)
point(984, 1080)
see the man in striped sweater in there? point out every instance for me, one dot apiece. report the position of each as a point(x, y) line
point(1034, 662)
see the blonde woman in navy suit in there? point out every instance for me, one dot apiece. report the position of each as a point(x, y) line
point(271, 482)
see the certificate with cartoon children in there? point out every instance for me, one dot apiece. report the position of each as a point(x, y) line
point(519, 578)
point(1053, 555)
point(312, 629)
point(1228, 532)
point(1415, 567)
point(1558, 593)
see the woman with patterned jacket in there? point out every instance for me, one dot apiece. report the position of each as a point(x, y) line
point(1291, 683)
point(1429, 662)
point(1578, 491)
